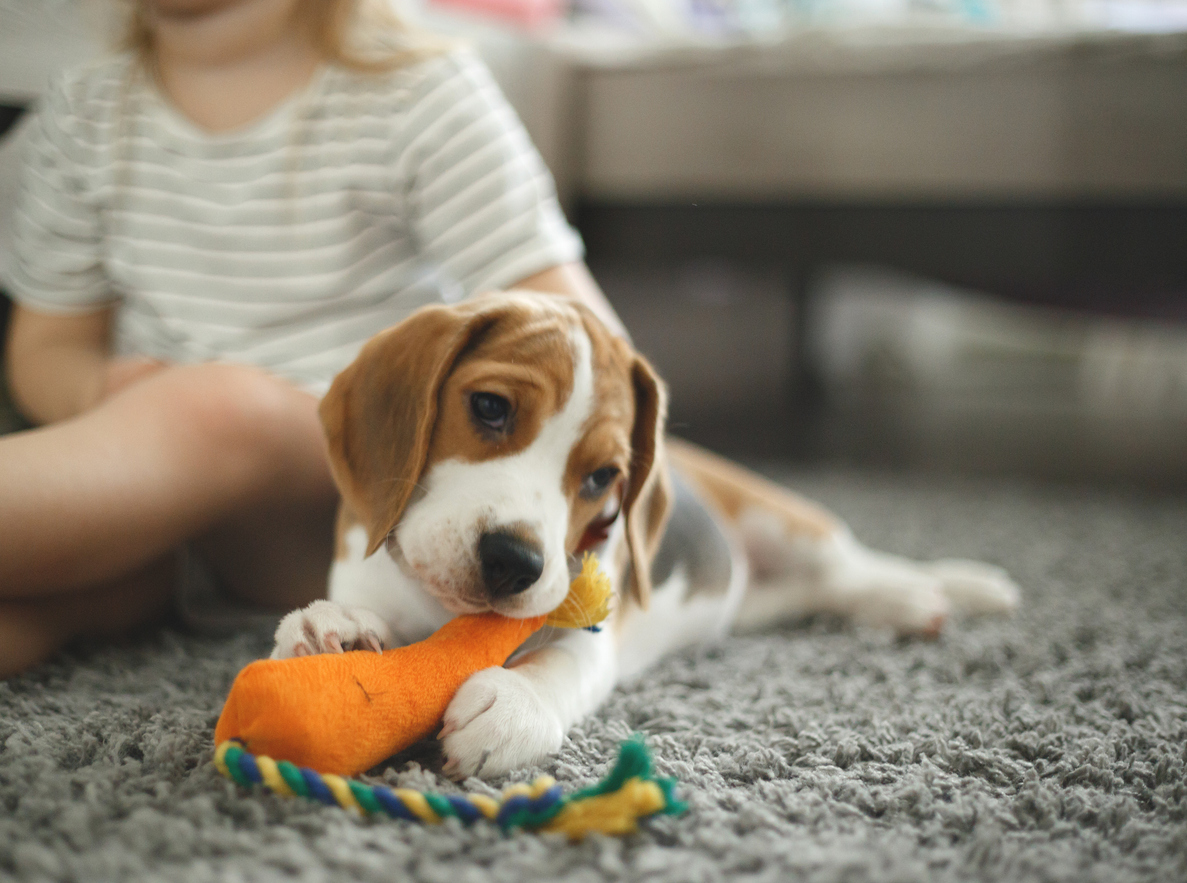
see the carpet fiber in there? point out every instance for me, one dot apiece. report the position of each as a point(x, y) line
point(1048, 747)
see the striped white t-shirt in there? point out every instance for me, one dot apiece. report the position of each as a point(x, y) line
point(285, 244)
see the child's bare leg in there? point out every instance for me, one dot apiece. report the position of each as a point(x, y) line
point(32, 630)
point(275, 555)
point(90, 500)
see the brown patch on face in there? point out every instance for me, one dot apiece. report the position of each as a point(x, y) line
point(526, 358)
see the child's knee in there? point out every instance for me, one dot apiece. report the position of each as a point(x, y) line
point(242, 416)
point(229, 401)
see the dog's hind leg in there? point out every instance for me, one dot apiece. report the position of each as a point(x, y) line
point(803, 560)
point(800, 576)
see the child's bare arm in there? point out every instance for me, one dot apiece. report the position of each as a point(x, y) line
point(576, 281)
point(55, 363)
point(60, 366)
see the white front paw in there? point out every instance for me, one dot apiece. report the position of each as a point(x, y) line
point(496, 723)
point(326, 627)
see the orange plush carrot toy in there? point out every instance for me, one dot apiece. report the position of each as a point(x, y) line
point(344, 713)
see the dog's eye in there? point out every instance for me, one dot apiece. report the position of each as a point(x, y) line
point(490, 410)
point(596, 482)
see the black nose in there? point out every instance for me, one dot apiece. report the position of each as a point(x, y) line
point(509, 564)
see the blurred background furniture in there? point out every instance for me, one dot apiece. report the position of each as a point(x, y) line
point(1046, 168)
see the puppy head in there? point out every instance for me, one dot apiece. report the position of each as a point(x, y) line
point(488, 443)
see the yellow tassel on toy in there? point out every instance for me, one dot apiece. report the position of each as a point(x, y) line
point(588, 601)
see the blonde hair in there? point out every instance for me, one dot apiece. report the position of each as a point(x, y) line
point(365, 36)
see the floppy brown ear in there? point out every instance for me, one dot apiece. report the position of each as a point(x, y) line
point(648, 499)
point(379, 414)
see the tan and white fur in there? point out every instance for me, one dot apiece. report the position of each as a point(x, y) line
point(480, 448)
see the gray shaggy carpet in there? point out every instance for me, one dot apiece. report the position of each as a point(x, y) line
point(1048, 747)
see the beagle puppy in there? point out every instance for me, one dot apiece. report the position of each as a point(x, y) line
point(481, 448)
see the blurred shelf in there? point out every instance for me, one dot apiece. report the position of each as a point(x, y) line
point(880, 114)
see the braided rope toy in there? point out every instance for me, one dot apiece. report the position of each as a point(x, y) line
point(613, 806)
point(344, 713)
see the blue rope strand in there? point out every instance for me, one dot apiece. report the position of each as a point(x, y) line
point(317, 788)
point(249, 768)
point(466, 811)
point(393, 805)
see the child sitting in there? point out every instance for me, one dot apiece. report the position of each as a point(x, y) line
point(211, 225)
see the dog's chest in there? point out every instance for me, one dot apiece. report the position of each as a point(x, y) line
point(378, 584)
